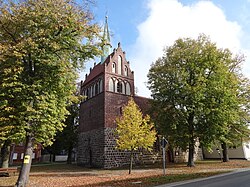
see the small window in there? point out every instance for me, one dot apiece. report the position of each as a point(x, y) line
point(15, 156)
point(126, 71)
point(113, 67)
point(33, 155)
point(22, 156)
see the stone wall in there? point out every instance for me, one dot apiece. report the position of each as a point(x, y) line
point(113, 157)
point(90, 150)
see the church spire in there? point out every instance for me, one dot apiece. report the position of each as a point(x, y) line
point(106, 44)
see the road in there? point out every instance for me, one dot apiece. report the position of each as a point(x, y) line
point(234, 179)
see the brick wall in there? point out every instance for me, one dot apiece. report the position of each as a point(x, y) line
point(92, 113)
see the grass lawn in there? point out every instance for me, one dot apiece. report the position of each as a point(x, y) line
point(59, 175)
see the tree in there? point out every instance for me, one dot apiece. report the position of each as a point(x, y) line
point(134, 131)
point(195, 87)
point(42, 44)
point(67, 138)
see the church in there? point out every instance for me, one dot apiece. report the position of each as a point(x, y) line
point(107, 88)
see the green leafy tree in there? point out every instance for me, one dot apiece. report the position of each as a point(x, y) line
point(42, 46)
point(134, 131)
point(67, 138)
point(196, 90)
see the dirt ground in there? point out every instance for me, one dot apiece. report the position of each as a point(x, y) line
point(61, 175)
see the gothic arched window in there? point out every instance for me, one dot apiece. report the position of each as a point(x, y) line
point(120, 87)
point(111, 85)
point(119, 65)
point(128, 89)
point(100, 85)
point(96, 88)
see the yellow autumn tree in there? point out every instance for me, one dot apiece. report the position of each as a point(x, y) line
point(134, 130)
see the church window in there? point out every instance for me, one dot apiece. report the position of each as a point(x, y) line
point(128, 90)
point(96, 88)
point(90, 92)
point(87, 93)
point(93, 90)
point(111, 85)
point(119, 65)
point(113, 67)
point(126, 71)
point(100, 85)
point(123, 88)
point(120, 87)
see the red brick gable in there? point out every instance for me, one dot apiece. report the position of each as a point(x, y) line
point(97, 70)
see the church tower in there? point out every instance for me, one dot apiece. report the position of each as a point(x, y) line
point(107, 89)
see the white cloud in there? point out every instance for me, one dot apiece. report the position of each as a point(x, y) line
point(169, 20)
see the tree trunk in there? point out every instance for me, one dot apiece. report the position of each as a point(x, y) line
point(69, 159)
point(131, 162)
point(224, 152)
point(191, 155)
point(23, 178)
point(5, 154)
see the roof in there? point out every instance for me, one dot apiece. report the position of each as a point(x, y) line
point(97, 70)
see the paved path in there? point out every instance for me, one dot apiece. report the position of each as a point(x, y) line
point(240, 178)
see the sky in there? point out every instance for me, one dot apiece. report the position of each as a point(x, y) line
point(146, 27)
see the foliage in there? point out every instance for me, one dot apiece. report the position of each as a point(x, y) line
point(198, 93)
point(134, 131)
point(67, 138)
point(42, 45)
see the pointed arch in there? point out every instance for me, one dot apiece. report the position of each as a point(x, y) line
point(119, 68)
point(120, 86)
point(111, 85)
point(97, 88)
point(125, 70)
point(128, 89)
point(100, 85)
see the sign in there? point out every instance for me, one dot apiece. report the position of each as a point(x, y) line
point(26, 159)
point(164, 142)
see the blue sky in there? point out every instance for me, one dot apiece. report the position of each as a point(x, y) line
point(145, 27)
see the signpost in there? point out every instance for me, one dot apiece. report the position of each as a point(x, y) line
point(164, 142)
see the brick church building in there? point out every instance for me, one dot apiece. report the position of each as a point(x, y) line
point(107, 88)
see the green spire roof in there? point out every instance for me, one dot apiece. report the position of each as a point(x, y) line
point(106, 44)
